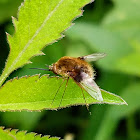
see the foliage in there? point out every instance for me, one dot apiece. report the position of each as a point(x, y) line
point(107, 26)
point(8, 134)
point(37, 33)
point(124, 20)
point(36, 27)
point(39, 94)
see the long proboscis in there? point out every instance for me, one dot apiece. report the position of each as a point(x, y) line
point(41, 69)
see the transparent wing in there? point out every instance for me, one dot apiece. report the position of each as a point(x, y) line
point(93, 57)
point(91, 87)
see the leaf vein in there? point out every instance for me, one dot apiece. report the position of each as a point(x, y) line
point(36, 33)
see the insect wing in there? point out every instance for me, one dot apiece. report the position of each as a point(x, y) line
point(93, 57)
point(91, 87)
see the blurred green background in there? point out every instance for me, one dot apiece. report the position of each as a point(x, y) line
point(110, 26)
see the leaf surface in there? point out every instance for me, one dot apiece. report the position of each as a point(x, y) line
point(8, 134)
point(39, 23)
point(37, 93)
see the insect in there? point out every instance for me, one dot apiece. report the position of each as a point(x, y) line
point(80, 71)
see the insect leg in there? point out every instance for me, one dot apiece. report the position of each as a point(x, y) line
point(83, 94)
point(57, 91)
point(85, 99)
point(64, 91)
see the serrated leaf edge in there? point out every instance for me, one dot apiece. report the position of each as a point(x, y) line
point(58, 77)
point(61, 36)
point(8, 130)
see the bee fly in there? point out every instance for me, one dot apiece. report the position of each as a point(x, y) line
point(80, 71)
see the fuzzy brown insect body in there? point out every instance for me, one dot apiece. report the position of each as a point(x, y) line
point(72, 67)
point(80, 71)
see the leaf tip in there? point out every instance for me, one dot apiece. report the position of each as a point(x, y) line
point(125, 103)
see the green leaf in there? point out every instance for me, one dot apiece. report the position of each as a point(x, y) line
point(37, 93)
point(39, 23)
point(8, 134)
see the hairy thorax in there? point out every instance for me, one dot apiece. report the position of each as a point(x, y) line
point(72, 67)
